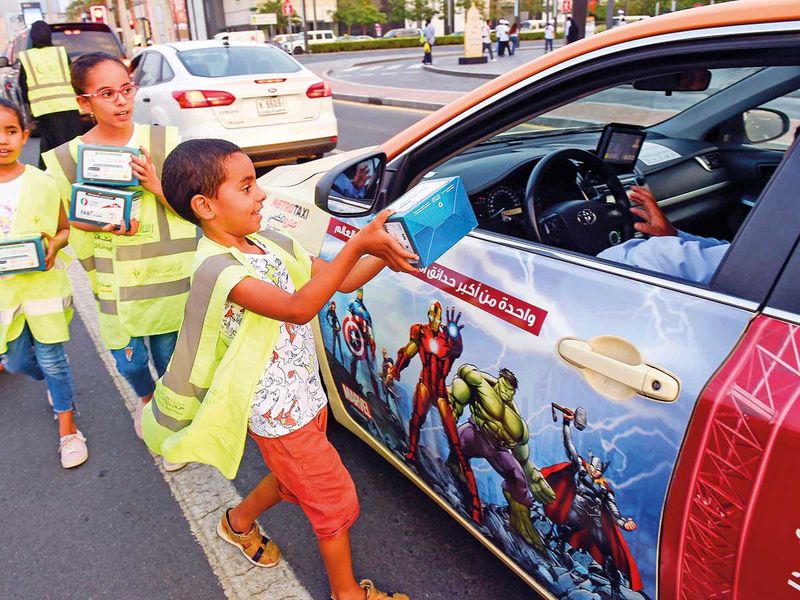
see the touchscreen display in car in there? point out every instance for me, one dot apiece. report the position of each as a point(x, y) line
point(620, 146)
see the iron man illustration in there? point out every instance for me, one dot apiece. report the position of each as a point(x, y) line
point(438, 346)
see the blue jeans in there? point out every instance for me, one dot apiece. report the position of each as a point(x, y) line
point(42, 361)
point(133, 361)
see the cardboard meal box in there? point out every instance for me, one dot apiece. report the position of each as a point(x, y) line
point(21, 255)
point(431, 218)
point(106, 165)
point(104, 206)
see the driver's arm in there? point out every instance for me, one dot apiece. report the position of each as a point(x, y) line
point(668, 251)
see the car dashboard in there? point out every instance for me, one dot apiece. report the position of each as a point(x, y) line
point(688, 177)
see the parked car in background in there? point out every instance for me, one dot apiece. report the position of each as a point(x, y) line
point(529, 25)
point(251, 94)
point(291, 43)
point(320, 36)
point(409, 32)
point(249, 35)
point(610, 429)
point(77, 38)
point(624, 19)
point(354, 38)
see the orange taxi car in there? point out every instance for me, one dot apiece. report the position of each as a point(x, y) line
point(608, 428)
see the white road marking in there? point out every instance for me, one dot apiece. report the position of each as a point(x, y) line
point(371, 68)
point(201, 491)
point(393, 67)
point(415, 66)
point(349, 69)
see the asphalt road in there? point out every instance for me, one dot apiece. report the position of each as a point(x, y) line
point(111, 528)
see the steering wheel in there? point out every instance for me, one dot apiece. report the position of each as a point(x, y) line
point(587, 226)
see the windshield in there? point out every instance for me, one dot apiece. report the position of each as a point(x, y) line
point(237, 60)
point(624, 104)
point(79, 41)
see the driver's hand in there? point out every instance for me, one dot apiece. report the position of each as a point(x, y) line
point(646, 207)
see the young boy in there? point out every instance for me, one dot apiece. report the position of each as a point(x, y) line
point(245, 357)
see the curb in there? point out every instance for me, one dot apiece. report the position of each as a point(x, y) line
point(453, 73)
point(397, 102)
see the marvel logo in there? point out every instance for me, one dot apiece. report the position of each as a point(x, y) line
point(358, 401)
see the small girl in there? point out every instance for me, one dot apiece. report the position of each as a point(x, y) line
point(36, 307)
point(139, 276)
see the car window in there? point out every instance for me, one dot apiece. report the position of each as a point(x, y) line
point(236, 60)
point(625, 104)
point(80, 41)
point(166, 71)
point(149, 70)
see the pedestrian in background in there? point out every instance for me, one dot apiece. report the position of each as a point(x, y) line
point(549, 36)
point(38, 304)
point(486, 40)
point(139, 274)
point(501, 33)
point(44, 82)
point(513, 36)
point(429, 35)
point(572, 31)
point(255, 369)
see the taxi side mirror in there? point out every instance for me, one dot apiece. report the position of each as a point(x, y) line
point(351, 189)
point(765, 124)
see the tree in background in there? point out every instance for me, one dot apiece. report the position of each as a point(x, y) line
point(357, 12)
point(274, 6)
point(418, 11)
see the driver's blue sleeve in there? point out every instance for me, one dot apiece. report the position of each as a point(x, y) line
point(685, 256)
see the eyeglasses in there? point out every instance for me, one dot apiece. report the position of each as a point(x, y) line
point(110, 95)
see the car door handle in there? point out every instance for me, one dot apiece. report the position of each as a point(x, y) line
point(614, 367)
point(145, 99)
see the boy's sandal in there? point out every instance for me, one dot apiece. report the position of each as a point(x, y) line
point(374, 593)
point(256, 547)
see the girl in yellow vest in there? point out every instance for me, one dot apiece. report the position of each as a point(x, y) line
point(36, 307)
point(139, 276)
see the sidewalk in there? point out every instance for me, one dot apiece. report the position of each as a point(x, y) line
point(445, 64)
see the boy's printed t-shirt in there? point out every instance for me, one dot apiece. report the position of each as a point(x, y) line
point(289, 394)
point(9, 199)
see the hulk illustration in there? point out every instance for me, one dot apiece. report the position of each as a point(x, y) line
point(497, 432)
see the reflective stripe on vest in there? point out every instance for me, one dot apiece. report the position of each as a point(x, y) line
point(48, 80)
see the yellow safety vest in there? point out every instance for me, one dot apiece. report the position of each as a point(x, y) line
point(140, 282)
point(42, 299)
point(201, 406)
point(48, 78)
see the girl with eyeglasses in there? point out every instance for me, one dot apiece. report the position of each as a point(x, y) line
point(139, 275)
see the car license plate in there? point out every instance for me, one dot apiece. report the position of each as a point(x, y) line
point(271, 106)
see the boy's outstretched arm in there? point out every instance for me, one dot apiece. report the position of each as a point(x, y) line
point(270, 301)
point(363, 271)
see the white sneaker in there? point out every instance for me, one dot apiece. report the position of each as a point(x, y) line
point(137, 420)
point(171, 467)
point(73, 450)
point(493, 60)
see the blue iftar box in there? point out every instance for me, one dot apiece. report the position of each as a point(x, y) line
point(431, 218)
point(106, 165)
point(22, 255)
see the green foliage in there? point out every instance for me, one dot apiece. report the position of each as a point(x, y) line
point(444, 40)
point(274, 6)
point(357, 12)
point(417, 11)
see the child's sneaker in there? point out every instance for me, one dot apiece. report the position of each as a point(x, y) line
point(374, 593)
point(73, 450)
point(256, 547)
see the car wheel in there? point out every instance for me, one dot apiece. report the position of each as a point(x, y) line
point(299, 51)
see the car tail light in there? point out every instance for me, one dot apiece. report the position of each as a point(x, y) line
point(319, 90)
point(203, 98)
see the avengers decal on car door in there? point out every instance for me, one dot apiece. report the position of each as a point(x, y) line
point(502, 385)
